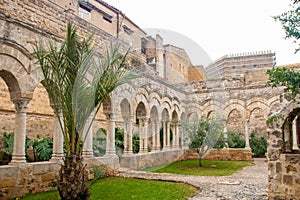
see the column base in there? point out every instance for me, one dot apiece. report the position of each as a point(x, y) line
point(128, 153)
point(57, 157)
point(110, 154)
point(87, 154)
point(17, 160)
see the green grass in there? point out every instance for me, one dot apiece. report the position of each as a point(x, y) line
point(117, 188)
point(209, 167)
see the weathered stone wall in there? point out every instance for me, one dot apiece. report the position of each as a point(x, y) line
point(283, 159)
point(31, 178)
point(142, 161)
point(239, 154)
point(15, 181)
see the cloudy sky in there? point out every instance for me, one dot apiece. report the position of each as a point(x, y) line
point(212, 29)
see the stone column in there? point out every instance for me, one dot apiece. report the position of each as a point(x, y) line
point(226, 137)
point(247, 135)
point(110, 136)
point(157, 132)
point(129, 132)
point(145, 147)
point(164, 135)
point(295, 139)
point(18, 156)
point(173, 142)
point(58, 138)
point(168, 135)
point(141, 131)
point(177, 135)
point(125, 137)
point(182, 136)
point(153, 133)
point(88, 143)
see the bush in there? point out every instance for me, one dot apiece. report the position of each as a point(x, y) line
point(135, 142)
point(99, 143)
point(8, 146)
point(258, 145)
point(42, 148)
point(235, 140)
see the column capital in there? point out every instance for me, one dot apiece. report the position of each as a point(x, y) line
point(21, 104)
point(110, 116)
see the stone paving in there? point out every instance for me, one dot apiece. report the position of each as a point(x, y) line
point(250, 183)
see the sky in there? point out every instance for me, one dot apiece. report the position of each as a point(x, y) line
point(210, 29)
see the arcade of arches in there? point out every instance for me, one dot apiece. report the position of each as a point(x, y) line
point(147, 105)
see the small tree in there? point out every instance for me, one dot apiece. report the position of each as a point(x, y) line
point(206, 136)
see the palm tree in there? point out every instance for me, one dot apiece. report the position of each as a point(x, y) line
point(77, 82)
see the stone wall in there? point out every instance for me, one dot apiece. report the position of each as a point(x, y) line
point(31, 178)
point(221, 154)
point(142, 161)
point(15, 181)
point(283, 158)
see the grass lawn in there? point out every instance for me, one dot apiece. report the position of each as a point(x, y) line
point(124, 188)
point(209, 167)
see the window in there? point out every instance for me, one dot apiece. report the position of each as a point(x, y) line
point(84, 12)
point(107, 18)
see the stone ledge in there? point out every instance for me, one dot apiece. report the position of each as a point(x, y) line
point(234, 154)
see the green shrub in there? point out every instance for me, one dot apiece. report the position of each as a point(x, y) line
point(235, 140)
point(7, 150)
point(99, 143)
point(135, 142)
point(258, 145)
point(119, 140)
point(98, 173)
point(42, 148)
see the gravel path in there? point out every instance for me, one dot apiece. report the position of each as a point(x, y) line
point(250, 183)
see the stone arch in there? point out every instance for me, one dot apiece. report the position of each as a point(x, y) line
point(7, 123)
point(125, 108)
point(235, 116)
point(17, 60)
point(235, 121)
point(256, 115)
point(154, 112)
point(211, 108)
point(12, 84)
point(142, 121)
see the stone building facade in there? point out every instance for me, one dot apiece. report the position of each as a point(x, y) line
point(158, 101)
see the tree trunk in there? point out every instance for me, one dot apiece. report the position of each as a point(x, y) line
point(200, 161)
point(72, 179)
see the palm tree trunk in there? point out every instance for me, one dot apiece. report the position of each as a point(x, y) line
point(72, 179)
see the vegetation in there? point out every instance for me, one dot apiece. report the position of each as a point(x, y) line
point(39, 149)
point(289, 78)
point(206, 136)
point(77, 82)
point(135, 142)
point(235, 140)
point(258, 145)
point(42, 148)
point(290, 22)
point(123, 188)
point(208, 168)
point(99, 143)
